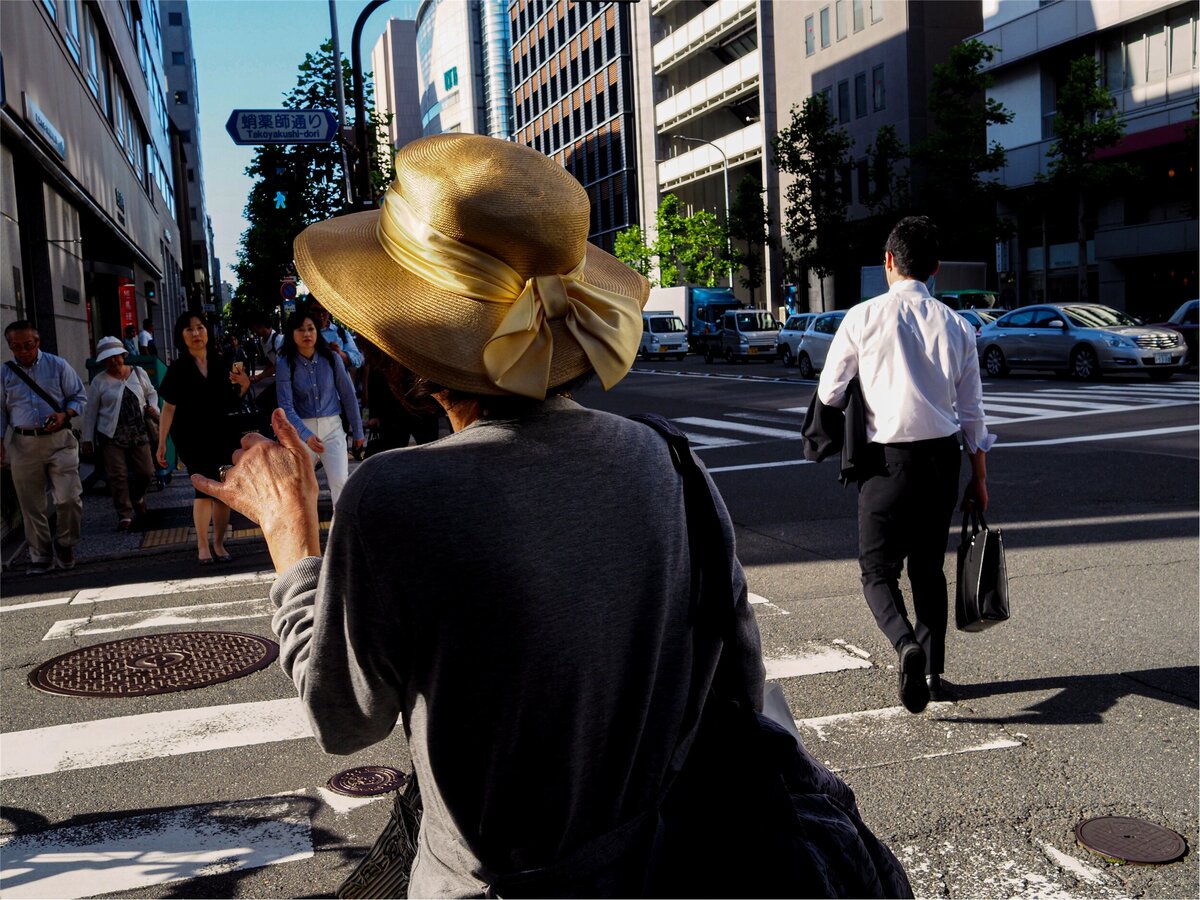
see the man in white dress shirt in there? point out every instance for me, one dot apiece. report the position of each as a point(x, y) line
point(915, 359)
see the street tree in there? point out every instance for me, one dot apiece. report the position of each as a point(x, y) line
point(748, 227)
point(890, 191)
point(704, 254)
point(957, 163)
point(1086, 120)
point(814, 151)
point(630, 248)
point(298, 184)
point(670, 241)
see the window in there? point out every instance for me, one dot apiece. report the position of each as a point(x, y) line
point(91, 49)
point(178, 58)
point(843, 100)
point(71, 24)
point(810, 37)
point(827, 95)
point(864, 181)
point(876, 11)
point(192, 212)
point(118, 119)
point(824, 27)
point(1020, 319)
point(51, 8)
point(191, 174)
point(611, 41)
point(877, 92)
point(175, 18)
point(185, 135)
point(860, 95)
point(1156, 53)
point(181, 97)
point(856, 7)
point(1183, 42)
point(839, 14)
point(1114, 64)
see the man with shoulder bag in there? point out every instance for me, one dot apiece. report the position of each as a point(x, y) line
point(916, 362)
point(39, 395)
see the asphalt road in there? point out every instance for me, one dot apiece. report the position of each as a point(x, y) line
point(1084, 704)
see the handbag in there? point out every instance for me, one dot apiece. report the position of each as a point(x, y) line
point(149, 413)
point(981, 595)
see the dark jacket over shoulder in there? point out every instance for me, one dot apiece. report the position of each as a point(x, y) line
point(828, 430)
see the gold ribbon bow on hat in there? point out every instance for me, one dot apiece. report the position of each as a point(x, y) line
point(517, 357)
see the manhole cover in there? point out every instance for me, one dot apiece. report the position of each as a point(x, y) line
point(366, 781)
point(1130, 840)
point(154, 664)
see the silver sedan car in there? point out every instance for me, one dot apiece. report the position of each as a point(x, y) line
point(1081, 339)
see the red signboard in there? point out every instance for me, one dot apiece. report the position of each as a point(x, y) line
point(128, 294)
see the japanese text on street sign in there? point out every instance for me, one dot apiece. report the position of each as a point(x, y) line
point(281, 126)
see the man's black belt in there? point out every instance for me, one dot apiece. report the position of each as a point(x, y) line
point(33, 432)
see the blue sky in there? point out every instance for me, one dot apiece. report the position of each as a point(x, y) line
point(247, 53)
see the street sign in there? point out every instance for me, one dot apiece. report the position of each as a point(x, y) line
point(281, 126)
point(287, 290)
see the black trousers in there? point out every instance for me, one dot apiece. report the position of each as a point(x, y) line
point(905, 504)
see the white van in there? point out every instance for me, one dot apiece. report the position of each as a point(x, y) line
point(663, 334)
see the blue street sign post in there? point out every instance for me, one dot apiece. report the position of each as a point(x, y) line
point(281, 126)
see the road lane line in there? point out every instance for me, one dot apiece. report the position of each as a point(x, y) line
point(157, 848)
point(758, 600)
point(1051, 401)
point(33, 604)
point(125, 739)
point(814, 661)
point(158, 618)
point(175, 586)
point(1085, 438)
point(766, 465)
point(726, 425)
point(708, 441)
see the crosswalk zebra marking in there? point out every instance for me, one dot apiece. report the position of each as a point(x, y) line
point(124, 739)
point(738, 427)
point(814, 660)
point(34, 604)
point(175, 586)
point(759, 600)
point(124, 854)
point(107, 623)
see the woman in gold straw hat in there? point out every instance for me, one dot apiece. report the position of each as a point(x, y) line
point(516, 593)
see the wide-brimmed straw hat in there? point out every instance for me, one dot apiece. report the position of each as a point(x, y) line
point(109, 346)
point(476, 271)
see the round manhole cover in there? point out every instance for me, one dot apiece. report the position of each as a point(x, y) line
point(366, 781)
point(1130, 840)
point(154, 664)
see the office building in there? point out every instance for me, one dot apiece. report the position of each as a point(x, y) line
point(573, 94)
point(394, 64)
point(87, 175)
point(461, 77)
point(1143, 229)
point(183, 107)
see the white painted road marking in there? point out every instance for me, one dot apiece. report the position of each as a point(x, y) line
point(766, 465)
point(159, 618)
point(723, 425)
point(758, 600)
point(33, 604)
point(157, 848)
point(1085, 438)
point(178, 586)
point(707, 442)
point(106, 742)
point(814, 660)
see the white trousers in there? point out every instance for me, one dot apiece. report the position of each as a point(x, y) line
point(334, 460)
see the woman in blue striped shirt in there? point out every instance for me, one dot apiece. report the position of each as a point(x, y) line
point(315, 391)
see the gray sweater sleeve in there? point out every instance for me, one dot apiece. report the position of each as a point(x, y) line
point(338, 644)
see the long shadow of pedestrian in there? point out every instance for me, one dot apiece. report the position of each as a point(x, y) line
point(1083, 699)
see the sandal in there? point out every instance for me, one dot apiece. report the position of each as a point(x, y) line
point(124, 524)
point(206, 562)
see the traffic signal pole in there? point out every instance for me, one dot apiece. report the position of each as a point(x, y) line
point(340, 92)
point(362, 198)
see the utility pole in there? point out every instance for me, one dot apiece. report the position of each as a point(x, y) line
point(362, 179)
point(340, 92)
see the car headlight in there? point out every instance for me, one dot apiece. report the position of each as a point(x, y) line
point(1117, 340)
point(743, 340)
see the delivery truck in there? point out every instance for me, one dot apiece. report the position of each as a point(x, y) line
point(701, 310)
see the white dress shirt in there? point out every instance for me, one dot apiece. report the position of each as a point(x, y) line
point(916, 361)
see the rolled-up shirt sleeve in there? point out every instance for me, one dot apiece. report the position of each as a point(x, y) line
point(968, 403)
point(337, 643)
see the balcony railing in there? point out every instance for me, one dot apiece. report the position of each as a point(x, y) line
point(658, 7)
point(735, 80)
point(739, 147)
point(706, 28)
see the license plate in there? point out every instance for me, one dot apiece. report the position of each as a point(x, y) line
point(1162, 359)
point(663, 349)
point(753, 350)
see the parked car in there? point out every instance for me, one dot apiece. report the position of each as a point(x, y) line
point(663, 334)
point(793, 329)
point(968, 299)
point(1081, 339)
point(1183, 320)
point(814, 345)
point(978, 318)
point(747, 334)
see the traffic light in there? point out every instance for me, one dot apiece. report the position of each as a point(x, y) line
point(151, 293)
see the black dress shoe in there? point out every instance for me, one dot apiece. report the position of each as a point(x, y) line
point(914, 692)
point(939, 691)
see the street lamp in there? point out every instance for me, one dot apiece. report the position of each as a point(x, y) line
point(362, 180)
point(725, 172)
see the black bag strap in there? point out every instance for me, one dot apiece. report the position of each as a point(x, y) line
point(37, 388)
point(974, 518)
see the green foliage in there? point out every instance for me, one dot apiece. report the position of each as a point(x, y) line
point(311, 177)
point(630, 248)
point(703, 252)
point(748, 225)
point(890, 194)
point(956, 155)
point(813, 150)
point(670, 241)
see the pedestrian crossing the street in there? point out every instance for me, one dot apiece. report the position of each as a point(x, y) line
point(1001, 406)
point(212, 834)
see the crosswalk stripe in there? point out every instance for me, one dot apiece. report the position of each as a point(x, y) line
point(158, 618)
point(34, 604)
point(106, 742)
point(1051, 401)
point(725, 425)
point(708, 441)
point(815, 660)
point(1191, 388)
point(175, 586)
point(125, 854)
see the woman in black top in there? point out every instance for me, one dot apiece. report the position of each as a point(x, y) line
point(200, 393)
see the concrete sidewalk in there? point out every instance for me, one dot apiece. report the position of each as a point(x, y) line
point(166, 528)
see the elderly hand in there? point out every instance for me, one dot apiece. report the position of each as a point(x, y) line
point(275, 485)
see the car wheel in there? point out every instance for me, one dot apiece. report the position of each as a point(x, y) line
point(1084, 364)
point(708, 354)
point(785, 354)
point(1160, 375)
point(993, 362)
point(806, 366)
point(729, 356)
